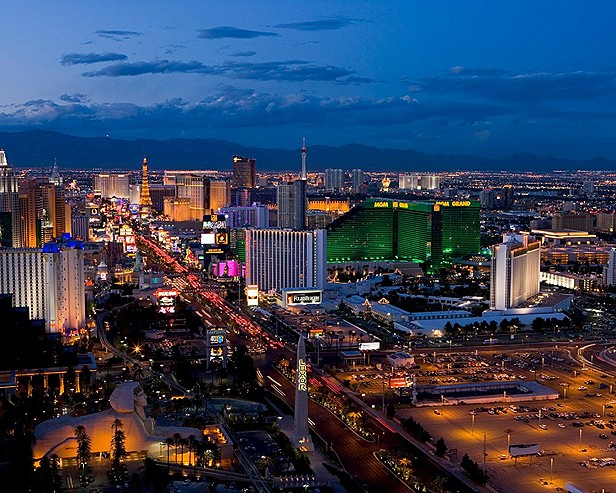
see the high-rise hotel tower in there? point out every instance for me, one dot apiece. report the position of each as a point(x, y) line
point(49, 281)
point(516, 271)
point(277, 259)
point(10, 221)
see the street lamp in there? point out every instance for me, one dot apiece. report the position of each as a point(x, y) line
point(580, 439)
point(473, 424)
point(551, 468)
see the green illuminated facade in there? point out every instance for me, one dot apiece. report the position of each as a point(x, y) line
point(385, 229)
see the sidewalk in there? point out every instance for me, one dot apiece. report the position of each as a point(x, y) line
point(317, 459)
point(444, 464)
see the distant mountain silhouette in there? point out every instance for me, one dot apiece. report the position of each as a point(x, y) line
point(40, 147)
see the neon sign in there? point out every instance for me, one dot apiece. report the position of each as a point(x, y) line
point(302, 376)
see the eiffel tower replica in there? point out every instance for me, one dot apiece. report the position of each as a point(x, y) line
point(145, 201)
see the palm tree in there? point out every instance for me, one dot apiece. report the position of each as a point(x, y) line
point(199, 452)
point(265, 463)
point(405, 462)
point(176, 441)
point(437, 483)
point(55, 473)
point(191, 449)
point(83, 446)
point(353, 415)
point(183, 442)
point(118, 442)
point(168, 443)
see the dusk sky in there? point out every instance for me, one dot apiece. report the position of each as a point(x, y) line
point(475, 77)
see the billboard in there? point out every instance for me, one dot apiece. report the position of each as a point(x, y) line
point(228, 268)
point(522, 449)
point(399, 382)
point(215, 222)
point(216, 345)
point(216, 336)
point(303, 297)
point(217, 339)
point(208, 239)
point(134, 209)
point(252, 295)
point(369, 346)
point(166, 300)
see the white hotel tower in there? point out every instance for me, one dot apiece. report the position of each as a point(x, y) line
point(280, 258)
point(49, 281)
point(515, 275)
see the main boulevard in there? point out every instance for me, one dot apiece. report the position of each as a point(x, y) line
point(355, 453)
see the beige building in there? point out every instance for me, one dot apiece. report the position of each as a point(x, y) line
point(606, 222)
point(579, 222)
point(339, 206)
point(112, 185)
point(178, 209)
point(220, 195)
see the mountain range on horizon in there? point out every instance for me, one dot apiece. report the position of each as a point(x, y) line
point(33, 148)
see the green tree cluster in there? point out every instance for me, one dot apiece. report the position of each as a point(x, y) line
point(476, 473)
point(415, 429)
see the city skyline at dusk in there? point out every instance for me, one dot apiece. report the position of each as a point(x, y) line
point(481, 79)
point(319, 246)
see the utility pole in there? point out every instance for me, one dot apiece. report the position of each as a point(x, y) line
point(485, 454)
point(383, 392)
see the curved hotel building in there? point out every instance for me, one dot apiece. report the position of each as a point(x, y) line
point(397, 230)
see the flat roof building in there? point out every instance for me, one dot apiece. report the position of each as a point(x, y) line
point(277, 259)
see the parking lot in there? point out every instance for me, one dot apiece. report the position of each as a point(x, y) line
point(576, 433)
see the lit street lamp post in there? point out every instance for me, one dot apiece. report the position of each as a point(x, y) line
point(473, 424)
point(551, 468)
point(580, 439)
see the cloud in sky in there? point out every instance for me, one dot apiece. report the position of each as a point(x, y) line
point(117, 34)
point(286, 71)
point(222, 32)
point(264, 118)
point(240, 54)
point(74, 98)
point(237, 107)
point(155, 67)
point(531, 87)
point(318, 25)
point(88, 58)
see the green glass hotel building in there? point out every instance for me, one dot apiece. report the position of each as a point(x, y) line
point(397, 230)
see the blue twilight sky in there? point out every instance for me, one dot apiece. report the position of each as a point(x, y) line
point(476, 77)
